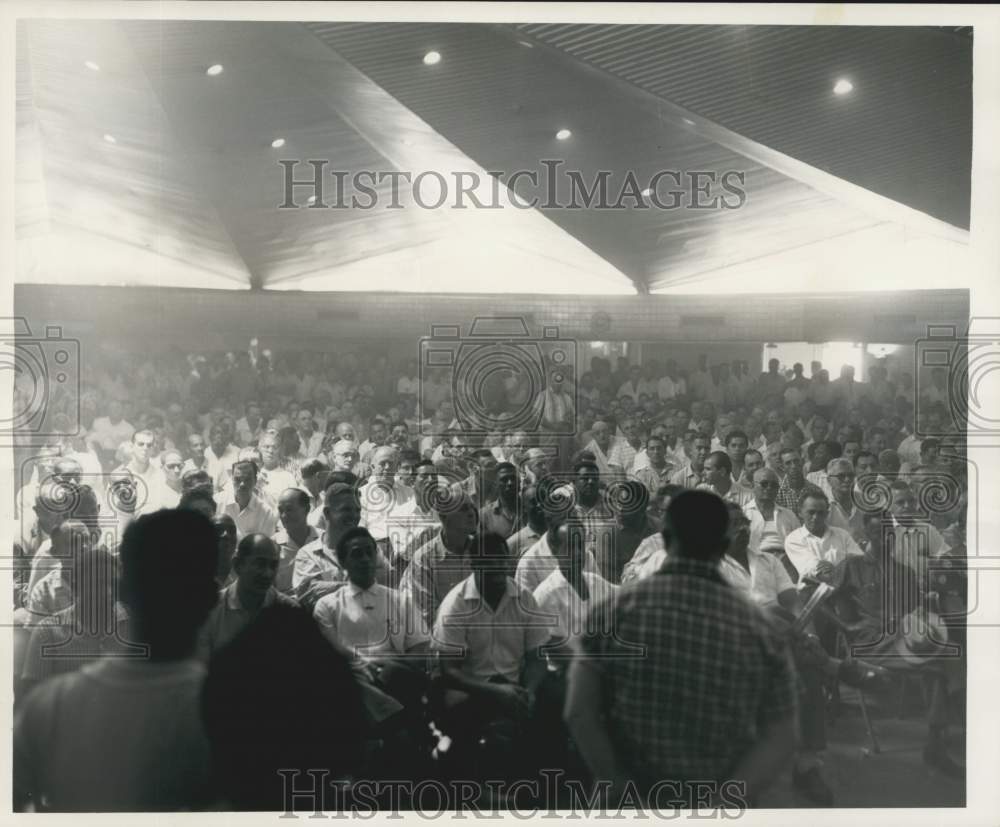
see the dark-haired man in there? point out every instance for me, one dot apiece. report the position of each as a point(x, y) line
point(738, 695)
point(251, 513)
point(502, 515)
point(85, 742)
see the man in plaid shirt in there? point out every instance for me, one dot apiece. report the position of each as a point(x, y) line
point(692, 683)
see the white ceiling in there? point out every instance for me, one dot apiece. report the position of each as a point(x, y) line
point(188, 193)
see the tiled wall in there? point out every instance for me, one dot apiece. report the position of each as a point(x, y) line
point(221, 320)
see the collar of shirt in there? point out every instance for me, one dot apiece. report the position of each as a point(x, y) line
point(282, 538)
point(693, 568)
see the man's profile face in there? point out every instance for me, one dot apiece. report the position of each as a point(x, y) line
point(257, 571)
point(292, 511)
point(713, 472)
point(377, 436)
point(400, 436)
point(345, 431)
point(814, 514)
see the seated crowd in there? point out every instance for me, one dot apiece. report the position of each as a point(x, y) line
point(448, 600)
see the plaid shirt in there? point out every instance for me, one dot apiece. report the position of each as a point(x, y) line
point(788, 497)
point(693, 672)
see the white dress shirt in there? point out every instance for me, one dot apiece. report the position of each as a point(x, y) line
point(370, 622)
point(805, 550)
point(257, 518)
point(766, 579)
point(538, 562)
point(555, 596)
point(494, 642)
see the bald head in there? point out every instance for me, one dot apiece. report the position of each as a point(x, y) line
point(765, 486)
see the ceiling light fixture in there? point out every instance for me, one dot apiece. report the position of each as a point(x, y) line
point(526, 44)
point(688, 121)
point(92, 66)
point(278, 143)
point(110, 139)
point(843, 87)
point(563, 134)
point(432, 58)
point(214, 69)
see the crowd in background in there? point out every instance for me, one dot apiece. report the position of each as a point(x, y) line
point(367, 495)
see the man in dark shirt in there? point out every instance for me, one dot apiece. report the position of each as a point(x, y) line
point(693, 683)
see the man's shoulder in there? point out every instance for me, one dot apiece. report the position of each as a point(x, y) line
point(455, 600)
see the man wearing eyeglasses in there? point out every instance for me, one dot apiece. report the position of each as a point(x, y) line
point(819, 549)
point(770, 523)
point(844, 512)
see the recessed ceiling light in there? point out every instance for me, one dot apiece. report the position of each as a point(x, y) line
point(432, 57)
point(843, 87)
point(563, 134)
point(214, 69)
point(92, 66)
point(526, 44)
point(278, 143)
point(110, 139)
point(688, 121)
point(647, 192)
